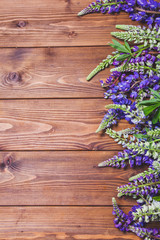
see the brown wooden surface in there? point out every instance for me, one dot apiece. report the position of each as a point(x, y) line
point(50, 185)
point(41, 23)
point(56, 223)
point(59, 124)
point(51, 72)
point(41, 178)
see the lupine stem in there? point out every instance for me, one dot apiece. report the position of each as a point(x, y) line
point(145, 200)
point(152, 149)
point(157, 140)
point(110, 4)
point(150, 68)
point(146, 11)
point(148, 184)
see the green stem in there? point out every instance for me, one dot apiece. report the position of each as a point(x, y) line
point(110, 4)
point(157, 140)
point(151, 149)
point(139, 186)
point(127, 158)
point(123, 109)
point(144, 199)
point(148, 184)
point(150, 68)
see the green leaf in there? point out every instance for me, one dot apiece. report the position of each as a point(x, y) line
point(119, 46)
point(140, 135)
point(157, 198)
point(117, 43)
point(155, 93)
point(112, 45)
point(149, 102)
point(149, 109)
point(156, 117)
point(138, 54)
point(127, 46)
point(122, 57)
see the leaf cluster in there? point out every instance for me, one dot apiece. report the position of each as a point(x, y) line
point(125, 49)
point(152, 106)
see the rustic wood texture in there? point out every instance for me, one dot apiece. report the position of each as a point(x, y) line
point(56, 223)
point(59, 178)
point(51, 72)
point(42, 23)
point(50, 185)
point(54, 124)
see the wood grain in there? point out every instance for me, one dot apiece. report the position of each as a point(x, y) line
point(60, 178)
point(46, 52)
point(54, 124)
point(54, 23)
point(76, 223)
point(51, 72)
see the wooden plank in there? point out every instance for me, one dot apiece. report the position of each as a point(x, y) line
point(51, 72)
point(39, 8)
point(60, 178)
point(54, 23)
point(54, 124)
point(56, 223)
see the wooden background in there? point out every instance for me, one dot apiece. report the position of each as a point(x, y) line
point(50, 186)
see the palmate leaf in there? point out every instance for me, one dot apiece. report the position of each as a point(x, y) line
point(155, 93)
point(140, 136)
point(149, 102)
point(122, 57)
point(152, 106)
point(119, 47)
point(138, 54)
point(156, 117)
point(127, 46)
point(150, 109)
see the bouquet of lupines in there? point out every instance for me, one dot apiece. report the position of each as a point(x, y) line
point(136, 75)
point(142, 146)
point(132, 59)
point(144, 187)
point(139, 10)
point(136, 69)
point(142, 142)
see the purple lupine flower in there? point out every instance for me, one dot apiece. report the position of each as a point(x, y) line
point(121, 220)
point(146, 233)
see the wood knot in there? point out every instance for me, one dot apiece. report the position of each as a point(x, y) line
point(14, 77)
point(21, 24)
point(8, 160)
point(72, 34)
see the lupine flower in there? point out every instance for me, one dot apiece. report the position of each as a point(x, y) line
point(137, 34)
point(122, 220)
point(136, 70)
point(146, 233)
point(140, 10)
point(148, 212)
point(148, 186)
